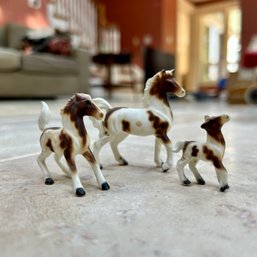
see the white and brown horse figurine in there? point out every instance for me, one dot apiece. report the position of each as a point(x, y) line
point(211, 151)
point(70, 140)
point(154, 119)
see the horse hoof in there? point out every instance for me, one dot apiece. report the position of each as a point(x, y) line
point(201, 181)
point(186, 182)
point(123, 162)
point(105, 186)
point(222, 189)
point(165, 167)
point(49, 181)
point(80, 192)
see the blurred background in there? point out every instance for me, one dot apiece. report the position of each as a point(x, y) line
point(50, 48)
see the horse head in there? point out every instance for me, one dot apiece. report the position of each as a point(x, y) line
point(214, 123)
point(164, 82)
point(169, 83)
point(82, 105)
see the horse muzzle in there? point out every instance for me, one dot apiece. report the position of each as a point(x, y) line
point(181, 93)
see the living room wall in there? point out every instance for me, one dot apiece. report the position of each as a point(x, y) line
point(13, 11)
point(151, 22)
point(249, 27)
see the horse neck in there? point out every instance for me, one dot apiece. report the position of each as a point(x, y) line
point(162, 105)
point(216, 139)
point(74, 126)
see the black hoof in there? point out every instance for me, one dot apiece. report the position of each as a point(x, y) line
point(80, 192)
point(123, 162)
point(105, 186)
point(222, 189)
point(49, 181)
point(201, 181)
point(164, 169)
point(101, 166)
point(186, 182)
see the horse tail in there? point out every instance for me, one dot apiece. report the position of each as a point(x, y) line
point(179, 146)
point(105, 106)
point(102, 103)
point(44, 117)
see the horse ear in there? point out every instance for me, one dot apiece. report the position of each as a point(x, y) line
point(206, 117)
point(78, 97)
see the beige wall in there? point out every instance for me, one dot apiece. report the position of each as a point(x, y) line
point(190, 42)
point(184, 43)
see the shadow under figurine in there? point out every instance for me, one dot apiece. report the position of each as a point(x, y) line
point(211, 151)
point(70, 140)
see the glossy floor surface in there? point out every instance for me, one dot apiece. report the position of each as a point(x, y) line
point(146, 212)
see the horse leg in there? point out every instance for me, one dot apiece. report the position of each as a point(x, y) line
point(157, 151)
point(198, 177)
point(62, 165)
point(114, 145)
point(222, 175)
point(99, 144)
point(168, 146)
point(41, 160)
point(78, 188)
point(180, 169)
point(98, 174)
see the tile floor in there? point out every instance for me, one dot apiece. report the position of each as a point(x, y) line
point(146, 212)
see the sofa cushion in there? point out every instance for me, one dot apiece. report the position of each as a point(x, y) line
point(15, 33)
point(48, 63)
point(10, 59)
point(3, 36)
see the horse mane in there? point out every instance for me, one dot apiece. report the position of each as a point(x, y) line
point(68, 105)
point(72, 101)
point(151, 82)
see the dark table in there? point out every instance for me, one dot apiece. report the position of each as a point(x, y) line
point(110, 59)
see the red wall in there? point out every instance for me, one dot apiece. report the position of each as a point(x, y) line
point(249, 27)
point(17, 11)
point(139, 18)
point(168, 25)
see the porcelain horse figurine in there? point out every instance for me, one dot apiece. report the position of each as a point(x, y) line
point(211, 151)
point(154, 119)
point(70, 140)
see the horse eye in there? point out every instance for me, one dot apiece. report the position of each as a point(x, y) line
point(88, 102)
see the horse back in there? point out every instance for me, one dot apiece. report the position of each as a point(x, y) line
point(136, 121)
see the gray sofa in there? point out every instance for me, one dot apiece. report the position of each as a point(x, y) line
point(39, 75)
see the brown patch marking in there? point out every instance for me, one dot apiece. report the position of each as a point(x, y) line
point(194, 151)
point(89, 156)
point(161, 127)
point(139, 123)
point(125, 126)
point(66, 145)
point(49, 145)
point(213, 158)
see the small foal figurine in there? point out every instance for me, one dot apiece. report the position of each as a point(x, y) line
point(154, 119)
point(212, 151)
point(70, 140)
